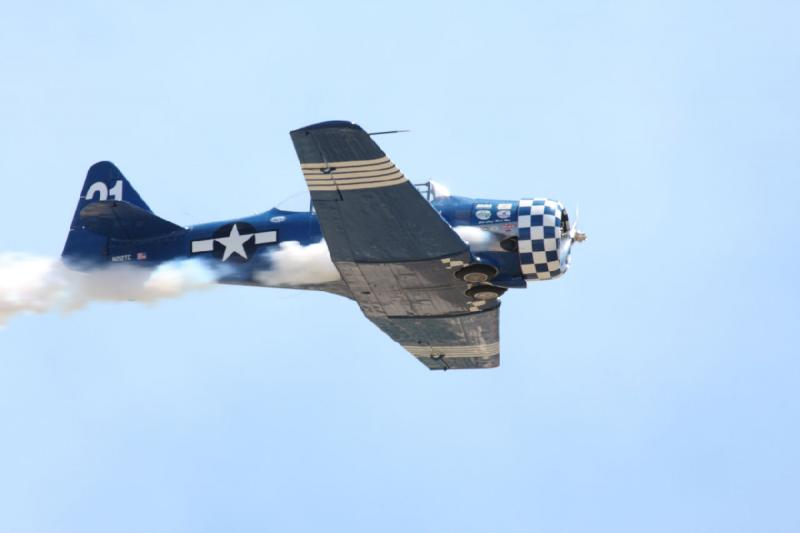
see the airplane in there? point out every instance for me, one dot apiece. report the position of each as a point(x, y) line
point(426, 267)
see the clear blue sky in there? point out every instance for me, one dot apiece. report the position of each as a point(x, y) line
point(654, 388)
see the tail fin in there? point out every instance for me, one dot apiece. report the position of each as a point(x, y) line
point(104, 181)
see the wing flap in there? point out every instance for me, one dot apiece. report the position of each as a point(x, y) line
point(448, 342)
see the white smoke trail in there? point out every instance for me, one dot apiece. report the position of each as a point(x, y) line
point(474, 236)
point(31, 284)
point(34, 284)
point(294, 264)
point(479, 239)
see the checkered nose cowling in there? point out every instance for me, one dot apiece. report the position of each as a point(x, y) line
point(541, 223)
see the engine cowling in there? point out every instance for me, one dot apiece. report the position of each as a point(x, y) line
point(544, 243)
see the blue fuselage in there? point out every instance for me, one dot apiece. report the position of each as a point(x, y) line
point(244, 248)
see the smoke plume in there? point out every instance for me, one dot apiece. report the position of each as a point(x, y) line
point(480, 240)
point(295, 264)
point(31, 284)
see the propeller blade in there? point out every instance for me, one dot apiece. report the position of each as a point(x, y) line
point(574, 228)
point(572, 237)
point(574, 234)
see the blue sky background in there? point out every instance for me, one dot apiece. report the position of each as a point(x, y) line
point(654, 388)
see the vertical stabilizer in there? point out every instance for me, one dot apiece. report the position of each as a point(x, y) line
point(104, 181)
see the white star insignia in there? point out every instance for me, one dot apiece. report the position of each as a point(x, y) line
point(234, 243)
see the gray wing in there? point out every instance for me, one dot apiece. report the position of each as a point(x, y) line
point(443, 342)
point(396, 254)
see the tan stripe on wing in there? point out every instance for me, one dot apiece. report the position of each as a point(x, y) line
point(355, 186)
point(477, 350)
point(351, 180)
point(353, 175)
point(344, 164)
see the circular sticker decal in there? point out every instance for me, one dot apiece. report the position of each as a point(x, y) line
point(483, 214)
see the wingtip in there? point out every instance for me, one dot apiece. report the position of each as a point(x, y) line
point(330, 124)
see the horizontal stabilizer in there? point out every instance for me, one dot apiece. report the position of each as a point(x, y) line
point(121, 220)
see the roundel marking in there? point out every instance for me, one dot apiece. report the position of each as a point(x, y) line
point(234, 242)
